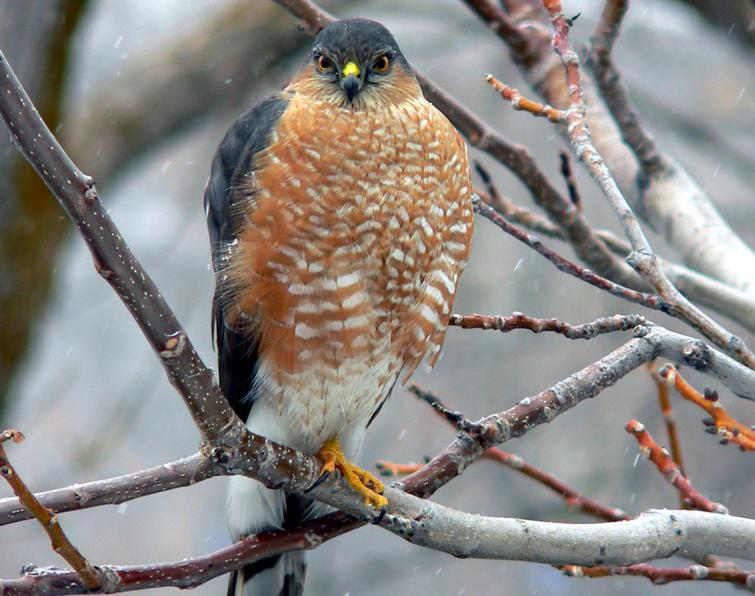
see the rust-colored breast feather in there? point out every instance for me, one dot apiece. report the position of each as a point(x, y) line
point(360, 228)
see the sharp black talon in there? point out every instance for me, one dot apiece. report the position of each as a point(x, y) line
point(380, 516)
point(318, 482)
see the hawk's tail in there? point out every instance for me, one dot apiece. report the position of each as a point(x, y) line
point(253, 508)
point(281, 575)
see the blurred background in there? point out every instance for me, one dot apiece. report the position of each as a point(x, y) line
point(141, 92)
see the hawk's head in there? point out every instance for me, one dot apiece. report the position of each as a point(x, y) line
point(357, 63)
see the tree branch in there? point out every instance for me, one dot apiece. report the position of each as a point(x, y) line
point(519, 320)
point(120, 489)
point(668, 417)
point(648, 300)
point(721, 422)
point(188, 573)
point(90, 576)
point(666, 466)
point(660, 576)
point(642, 258)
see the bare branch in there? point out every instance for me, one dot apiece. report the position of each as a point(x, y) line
point(653, 535)
point(518, 320)
point(672, 203)
point(89, 575)
point(666, 466)
point(522, 103)
point(188, 573)
point(574, 498)
point(642, 258)
point(735, 304)
point(648, 300)
point(615, 94)
point(571, 183)
point(661, 576)
point(722, 423)
point(668, 417)
point(120, 489)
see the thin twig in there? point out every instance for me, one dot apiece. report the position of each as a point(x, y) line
point(663, 575)
point(187, 573)
point(666, 466)
point(573, 498)
point(526, 105)
point(668, 417)
point(519, 320)
point(722, 423)
point(89, 575)
point(513, 212)
point(648, 300)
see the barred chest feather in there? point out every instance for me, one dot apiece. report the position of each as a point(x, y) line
point(350, 255)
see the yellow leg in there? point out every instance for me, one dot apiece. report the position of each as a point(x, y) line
point(360, 480)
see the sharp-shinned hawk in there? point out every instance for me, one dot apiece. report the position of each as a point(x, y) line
point(340, 218)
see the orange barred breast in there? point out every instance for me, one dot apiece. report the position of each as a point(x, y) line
point(360, 228)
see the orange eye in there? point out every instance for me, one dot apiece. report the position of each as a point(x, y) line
point(381, 64)
point(324, 63)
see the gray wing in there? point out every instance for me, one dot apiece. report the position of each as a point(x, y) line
point(237, 351)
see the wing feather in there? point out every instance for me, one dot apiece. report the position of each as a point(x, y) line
point(234, 161)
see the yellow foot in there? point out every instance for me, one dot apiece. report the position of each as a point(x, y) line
point(360, 480)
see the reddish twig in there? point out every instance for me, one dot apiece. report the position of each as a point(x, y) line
point(513, 212)
point(522, 103)
point(89, 575)
point(668, 417)
point(722, 423)
point(573, 498)
point(392, 468)
point(666, 466)
point(518, 320)
point(187, 573)
point(648, 300)
point(664, 575)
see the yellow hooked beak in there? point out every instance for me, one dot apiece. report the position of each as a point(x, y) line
point(350, 81)
point(351, 68)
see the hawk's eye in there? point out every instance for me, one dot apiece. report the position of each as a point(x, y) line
point(381, 64)
point(324, 64)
